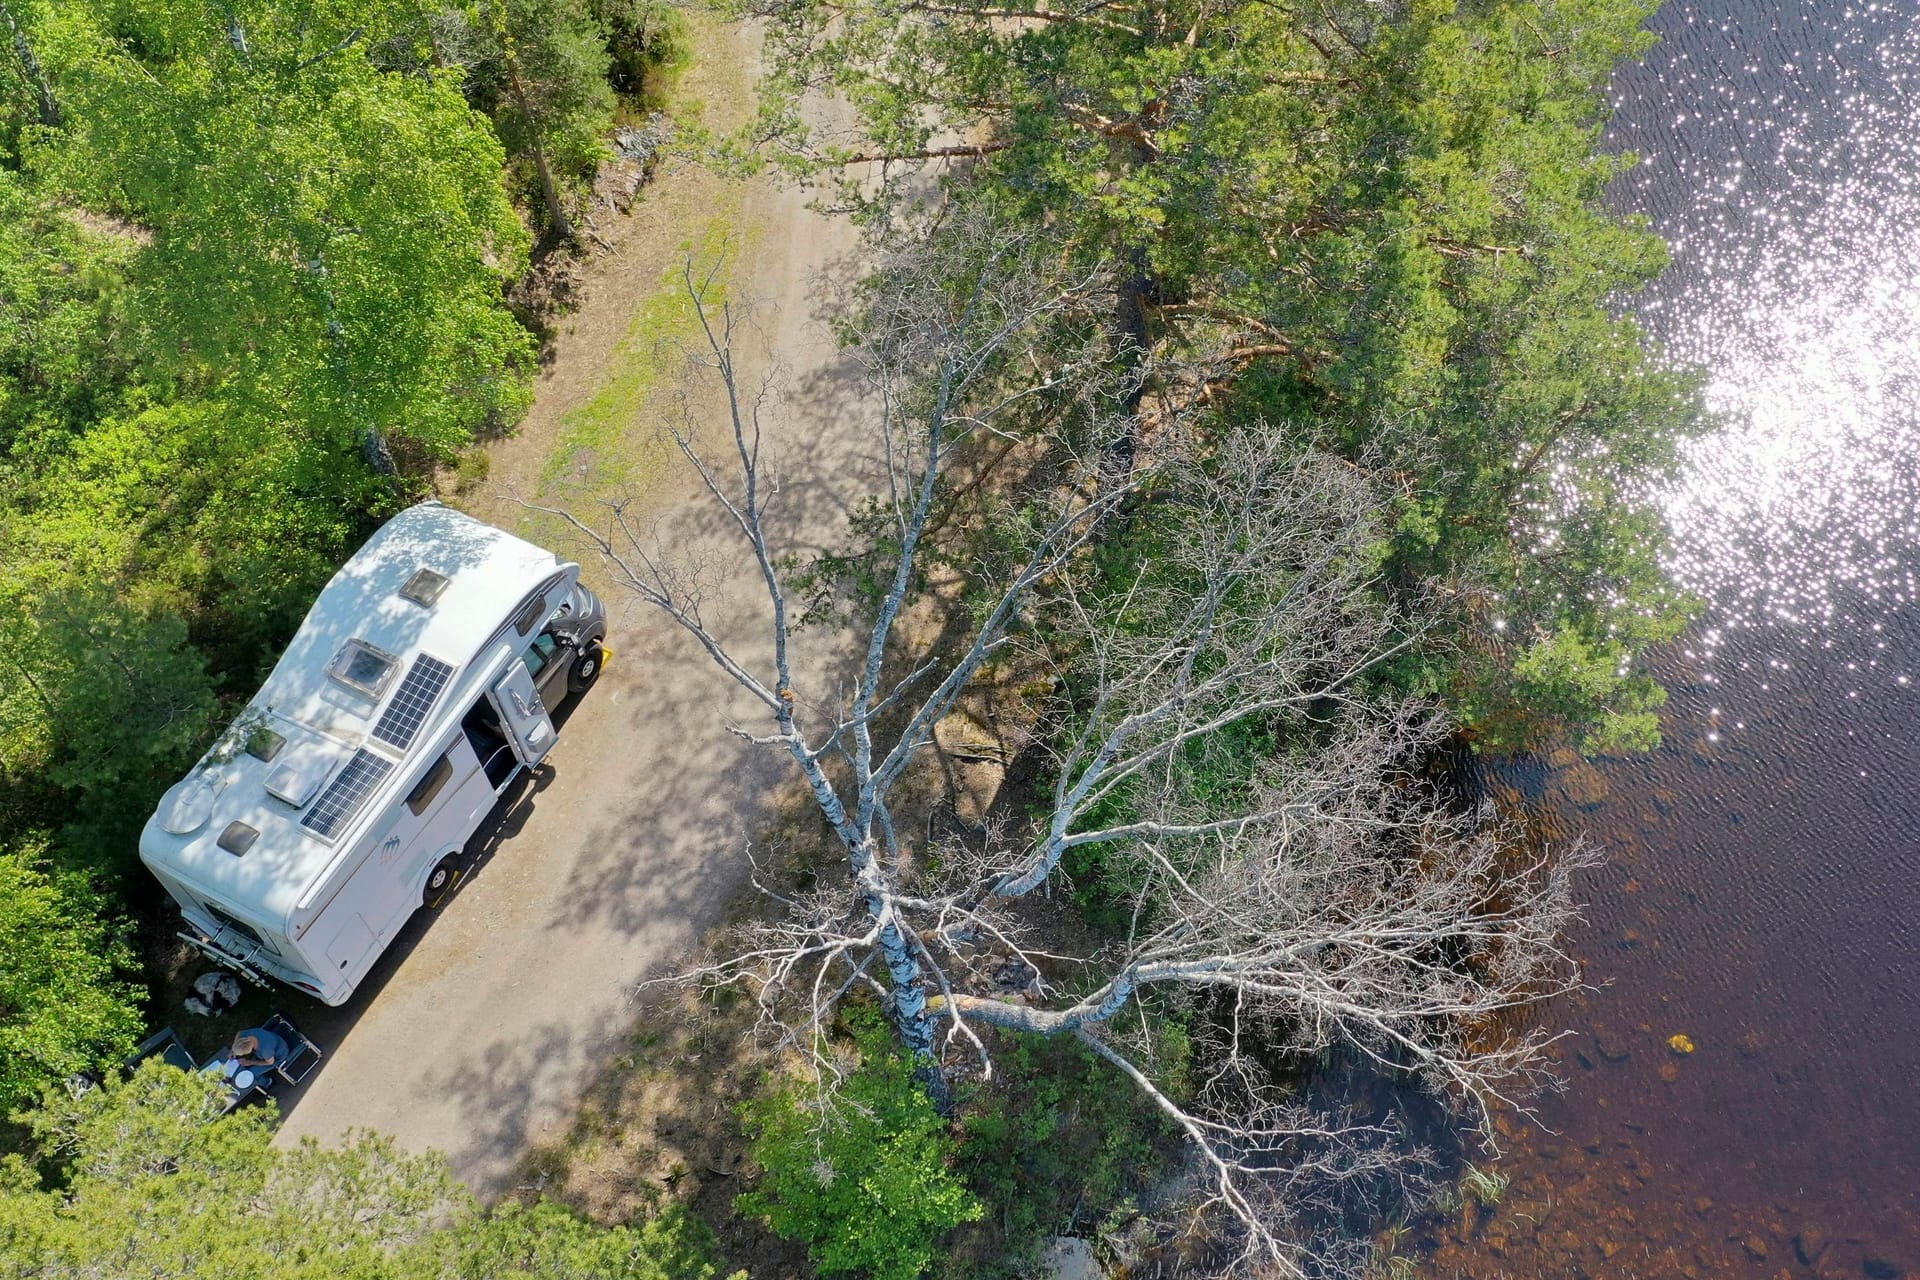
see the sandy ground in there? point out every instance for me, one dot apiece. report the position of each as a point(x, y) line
point(486, 1021)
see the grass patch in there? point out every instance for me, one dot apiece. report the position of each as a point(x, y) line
point(601, 446)
point(475, 464)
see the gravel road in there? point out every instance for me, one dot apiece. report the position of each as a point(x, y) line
point(485, 1022)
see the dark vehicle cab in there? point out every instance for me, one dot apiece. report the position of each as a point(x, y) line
point(566, 657)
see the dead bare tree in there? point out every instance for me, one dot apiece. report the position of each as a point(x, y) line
point(1333, 898)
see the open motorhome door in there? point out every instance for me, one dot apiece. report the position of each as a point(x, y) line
point(522, 714)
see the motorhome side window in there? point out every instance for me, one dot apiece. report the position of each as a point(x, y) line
point(421, 797)
point(532, 615)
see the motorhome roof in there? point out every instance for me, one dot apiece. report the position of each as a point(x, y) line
point(342, 689)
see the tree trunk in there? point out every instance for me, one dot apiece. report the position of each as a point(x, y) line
point(1130, 325)
point(556, 211)
point(912, 1014)
point(549, 190)
point(1130, 343)
point(36, 74)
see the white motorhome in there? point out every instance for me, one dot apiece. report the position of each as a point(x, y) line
point(343, 796)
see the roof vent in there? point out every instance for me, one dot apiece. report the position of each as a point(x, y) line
point(363, 667)
point(297, 779)
point(238, 838)
point(424, 587)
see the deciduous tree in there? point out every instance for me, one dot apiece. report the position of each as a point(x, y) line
point(65, 1006)
point(1321, 895)
point(329, 240)
point(1386, 219)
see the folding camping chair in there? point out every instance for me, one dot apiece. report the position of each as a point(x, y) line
point(303, 1055)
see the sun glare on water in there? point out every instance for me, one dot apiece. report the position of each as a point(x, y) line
point(1803, 304)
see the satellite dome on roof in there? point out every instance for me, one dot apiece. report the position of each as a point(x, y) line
point(187, 807)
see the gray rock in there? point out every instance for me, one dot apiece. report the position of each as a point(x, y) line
point(1610, 1049)
point(1070, 1258)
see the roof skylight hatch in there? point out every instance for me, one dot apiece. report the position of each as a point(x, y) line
point(263, 744)
point(238, 838)
point(363, 667)
point(424, 587)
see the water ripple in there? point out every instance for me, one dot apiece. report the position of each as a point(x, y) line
point(1788, 185)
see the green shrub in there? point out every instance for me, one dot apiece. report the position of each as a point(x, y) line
point(473, 468)
point(866, 1182)
point(63, 1008)
point(1057, 1145)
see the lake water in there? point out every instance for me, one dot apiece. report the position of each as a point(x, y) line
point(1762, 896)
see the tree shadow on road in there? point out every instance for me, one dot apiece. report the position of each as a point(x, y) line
point(330, 1026)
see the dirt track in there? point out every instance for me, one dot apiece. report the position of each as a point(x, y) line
point(484, 1023)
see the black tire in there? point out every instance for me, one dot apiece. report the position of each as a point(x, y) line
point(586, 668)
point(441, 879)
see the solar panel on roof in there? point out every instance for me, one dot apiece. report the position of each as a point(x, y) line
point(412, 701)
point(346, 794)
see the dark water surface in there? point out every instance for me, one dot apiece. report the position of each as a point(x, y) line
point(1762, 896)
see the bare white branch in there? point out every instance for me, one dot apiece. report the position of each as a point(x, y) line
point(1288, 877)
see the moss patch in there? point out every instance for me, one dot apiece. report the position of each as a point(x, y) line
point(603, 445)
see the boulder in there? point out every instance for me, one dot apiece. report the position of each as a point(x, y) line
point(1070, 1258)
point(1585, 785)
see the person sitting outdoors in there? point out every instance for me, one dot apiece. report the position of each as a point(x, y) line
point(259, 1049)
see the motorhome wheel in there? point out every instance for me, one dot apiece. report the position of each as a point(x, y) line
point(586, 668)
point(440, 878)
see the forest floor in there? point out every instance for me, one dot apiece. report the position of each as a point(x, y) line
point(488, 1021)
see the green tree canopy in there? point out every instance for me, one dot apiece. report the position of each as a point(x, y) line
point(1383, 225)
point(156, 1182)
point(328, 240)
point(63, 1006)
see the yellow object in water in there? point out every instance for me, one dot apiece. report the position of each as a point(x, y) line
point(1680, 1044)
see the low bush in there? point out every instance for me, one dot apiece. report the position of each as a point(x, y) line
point(862, 1176)
point(1056, 1146)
